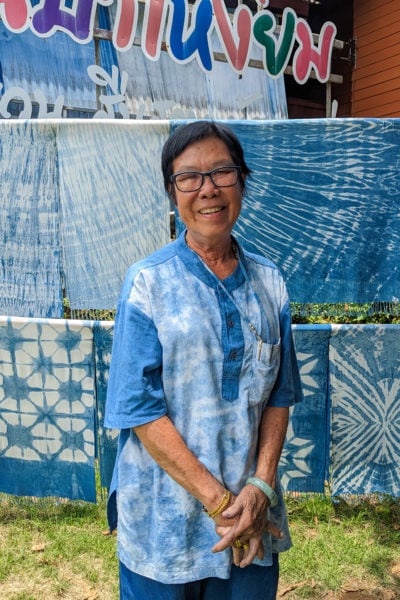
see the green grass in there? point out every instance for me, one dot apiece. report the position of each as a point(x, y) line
point(339, 546)
point(58, 550)
point(51, 549)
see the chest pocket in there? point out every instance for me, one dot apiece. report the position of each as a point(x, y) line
point(266, 361)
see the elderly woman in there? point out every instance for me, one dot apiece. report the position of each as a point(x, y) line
point(202, 375)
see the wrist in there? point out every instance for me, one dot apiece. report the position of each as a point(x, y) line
point(223, 503)
point(267, 490)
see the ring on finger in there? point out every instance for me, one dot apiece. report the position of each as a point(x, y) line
point(245, 546)
point(238, 544)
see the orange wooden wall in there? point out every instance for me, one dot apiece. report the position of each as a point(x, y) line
point(376, 77)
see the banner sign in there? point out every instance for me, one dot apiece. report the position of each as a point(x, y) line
point(186, 31)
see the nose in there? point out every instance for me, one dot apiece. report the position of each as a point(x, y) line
point(208, 186)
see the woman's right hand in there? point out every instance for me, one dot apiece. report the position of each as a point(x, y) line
point(244, 522)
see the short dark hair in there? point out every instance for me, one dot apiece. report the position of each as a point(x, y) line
point(194, 131)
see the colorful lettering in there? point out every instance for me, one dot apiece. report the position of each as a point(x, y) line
point(277, 51)
point(14, 14)
point(51, 15)
point(155, 13)
point(125, 24)
point(307, 56)
point(188, 35)
point(186, 43)
point(235, 38)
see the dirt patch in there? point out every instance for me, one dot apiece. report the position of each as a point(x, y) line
point(68, 586)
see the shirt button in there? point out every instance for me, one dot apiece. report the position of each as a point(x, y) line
point(233, 355)
point(231, 323)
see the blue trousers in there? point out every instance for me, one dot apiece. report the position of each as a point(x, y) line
point(255, 582)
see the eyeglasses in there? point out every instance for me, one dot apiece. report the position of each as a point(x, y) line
point(191, 181)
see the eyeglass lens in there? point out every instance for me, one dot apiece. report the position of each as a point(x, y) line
point(193, 180)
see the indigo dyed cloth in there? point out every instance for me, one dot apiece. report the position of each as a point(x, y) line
point(30, 269)
point(108, 438)
point(305, 457)
point(322, 203)
point(114, 210)
point(365, 396)
point(47, 417)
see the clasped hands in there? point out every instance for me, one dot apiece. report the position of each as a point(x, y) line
point(242, 524)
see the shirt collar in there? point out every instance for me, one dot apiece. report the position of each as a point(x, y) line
point(194, 263)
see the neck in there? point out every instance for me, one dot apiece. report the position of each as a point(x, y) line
point(219, 257)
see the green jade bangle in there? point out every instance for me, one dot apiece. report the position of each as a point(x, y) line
point(264, 487)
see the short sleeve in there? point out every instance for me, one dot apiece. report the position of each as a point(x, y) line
point(287, 389)
point(135, 393)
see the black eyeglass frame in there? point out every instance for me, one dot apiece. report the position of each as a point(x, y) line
point(209, 174)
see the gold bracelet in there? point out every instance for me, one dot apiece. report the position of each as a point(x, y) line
point(226, 498)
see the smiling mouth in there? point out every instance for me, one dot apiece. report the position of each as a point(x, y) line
point(210, 211)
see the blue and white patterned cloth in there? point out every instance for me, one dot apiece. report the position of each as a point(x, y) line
point(84, 199)
point(199, 362)
point(108, 438)
point(47, 408)
point(322, 203)
point(114, 210)
point(30, 249)
point(363, 384)
point(305, 458)
point(365, 394)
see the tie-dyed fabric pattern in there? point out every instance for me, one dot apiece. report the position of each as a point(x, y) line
point(108, 438)
point(84, 199)
point(173, 317)
point(114, 210)
point(30, 262)
point(365, 394)
point(41, 415)
point(305, 458)
point(322, 203)
point(47, 408)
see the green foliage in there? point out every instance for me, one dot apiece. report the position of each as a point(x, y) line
point(87, 314)
point(301, 313)
point(348, 312)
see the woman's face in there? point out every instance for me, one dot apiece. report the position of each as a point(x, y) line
point(210, 212)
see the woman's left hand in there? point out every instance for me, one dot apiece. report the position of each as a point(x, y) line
point(249, 513)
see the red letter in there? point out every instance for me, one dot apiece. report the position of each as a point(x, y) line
point(14, 14)
point(306, 56)
point(155, 12)
point(237, 47)
point(125, 24)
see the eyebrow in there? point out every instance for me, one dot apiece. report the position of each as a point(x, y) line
point(220, 163)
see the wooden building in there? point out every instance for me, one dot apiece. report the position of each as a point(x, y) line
point(368, 62)
point(376, 75)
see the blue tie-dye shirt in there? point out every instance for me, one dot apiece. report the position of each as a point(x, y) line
point(184, 347)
